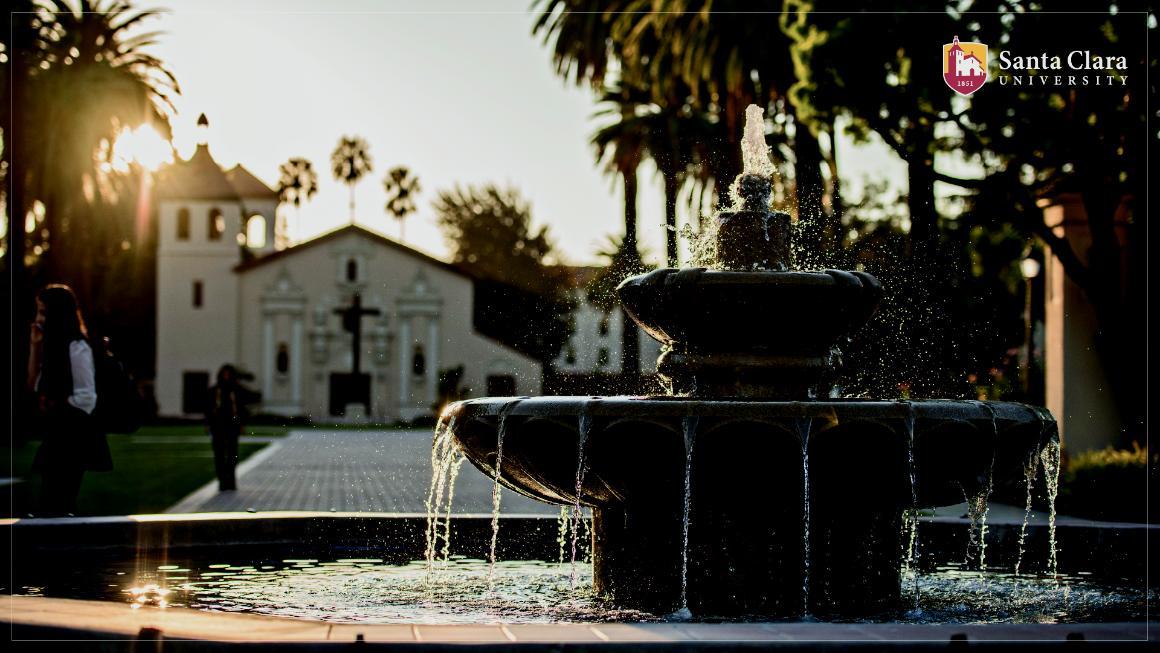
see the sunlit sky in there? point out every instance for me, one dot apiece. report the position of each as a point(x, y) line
point(459, 91)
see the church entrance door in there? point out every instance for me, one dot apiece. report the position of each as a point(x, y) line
point(349, 388)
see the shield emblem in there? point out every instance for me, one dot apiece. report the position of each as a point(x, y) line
point(964, 66)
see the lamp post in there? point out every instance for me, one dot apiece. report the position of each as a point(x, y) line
point(1029, 268)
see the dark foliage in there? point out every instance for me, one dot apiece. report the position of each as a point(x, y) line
point(520, 300)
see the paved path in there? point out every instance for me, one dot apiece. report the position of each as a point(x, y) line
point(345, 470)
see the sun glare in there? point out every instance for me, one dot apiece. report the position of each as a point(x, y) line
point(143, 146)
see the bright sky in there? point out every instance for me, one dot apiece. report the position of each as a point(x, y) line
point(459, 91)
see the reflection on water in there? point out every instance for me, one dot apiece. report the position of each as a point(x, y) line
point(372, 590)
point(955, 594)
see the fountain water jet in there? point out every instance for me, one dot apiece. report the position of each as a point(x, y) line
point(717, 501)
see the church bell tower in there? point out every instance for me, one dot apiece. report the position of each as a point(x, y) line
point(209, 220)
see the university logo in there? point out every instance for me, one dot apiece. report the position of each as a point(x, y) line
point(964, 66)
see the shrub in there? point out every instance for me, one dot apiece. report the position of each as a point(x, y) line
point(1108, 484)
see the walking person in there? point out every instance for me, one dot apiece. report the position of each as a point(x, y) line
point(62, 378)
point(225, 415)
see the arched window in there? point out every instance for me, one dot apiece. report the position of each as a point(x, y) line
point(282, 359)
point(351, 270)
point(256, 231)
point(419, 361)
point(183, 223)
point(603, 326)
point(216, 226)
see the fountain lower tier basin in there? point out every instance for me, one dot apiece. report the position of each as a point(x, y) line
point(749, 507)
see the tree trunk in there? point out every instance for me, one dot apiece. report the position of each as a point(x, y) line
point(630, 240)
point(629, 343)
point(813, 247)
point(920, 200)
point(809, 185)
point(927, 274)
point(20, 300)
point(672, 188)
point(837, 206)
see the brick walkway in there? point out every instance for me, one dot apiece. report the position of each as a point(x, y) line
point(345, 470)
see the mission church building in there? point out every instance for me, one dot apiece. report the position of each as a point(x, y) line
point(293, 317)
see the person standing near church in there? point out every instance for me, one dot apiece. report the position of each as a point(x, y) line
point(225, 415)
point(62, 378)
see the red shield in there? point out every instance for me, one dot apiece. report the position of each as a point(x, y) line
point(964, 66)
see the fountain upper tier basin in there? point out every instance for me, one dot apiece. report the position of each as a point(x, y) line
point(633, 448)
point(719, 310)
point(758, 334)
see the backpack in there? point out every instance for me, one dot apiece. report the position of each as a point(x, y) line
point(120, 407)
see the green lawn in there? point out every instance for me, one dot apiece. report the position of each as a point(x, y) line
point(152, 469)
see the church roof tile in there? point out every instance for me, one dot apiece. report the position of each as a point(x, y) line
point(199, 178)
point(248, 186)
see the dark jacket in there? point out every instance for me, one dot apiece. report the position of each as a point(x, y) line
point(70, 437)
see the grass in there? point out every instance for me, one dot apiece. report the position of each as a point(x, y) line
point(198, 429)
point(149, 473)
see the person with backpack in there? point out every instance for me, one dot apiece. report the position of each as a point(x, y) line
point(62, 377)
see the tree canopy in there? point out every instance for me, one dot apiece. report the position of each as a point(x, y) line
point(521, 297)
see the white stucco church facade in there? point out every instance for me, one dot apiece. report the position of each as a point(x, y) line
point(225, 295)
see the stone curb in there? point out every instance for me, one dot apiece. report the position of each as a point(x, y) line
point(92, 625)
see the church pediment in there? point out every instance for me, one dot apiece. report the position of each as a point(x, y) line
point(420, 297)
point(368, 243)
point(284, 286)
point(283, 295)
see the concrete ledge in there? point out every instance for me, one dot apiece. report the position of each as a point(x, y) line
point(93, 622)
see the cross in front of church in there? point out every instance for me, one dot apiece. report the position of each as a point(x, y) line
point(352, 322)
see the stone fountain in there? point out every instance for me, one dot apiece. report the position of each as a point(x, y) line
point(750, 491)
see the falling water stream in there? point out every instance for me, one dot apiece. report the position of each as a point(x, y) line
point(1050, 459)
point(978, 505)
point(452, 476)
point(583, 428)
point(689, 428)
point(912, 514)
point(562, 524)
point(495, 498)
point(804, 425)
point(1030, 467)
point(446, 460)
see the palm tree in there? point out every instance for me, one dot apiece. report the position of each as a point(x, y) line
point(580, 34)
point(79, 77)
point(402, 186)
point(674, 134)
point(297, 183)
point(620, 146)
point(351, 160)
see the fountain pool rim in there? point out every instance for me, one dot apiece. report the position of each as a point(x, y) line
point(676, 406)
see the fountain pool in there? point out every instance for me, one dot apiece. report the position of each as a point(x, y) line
point(392, 584)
